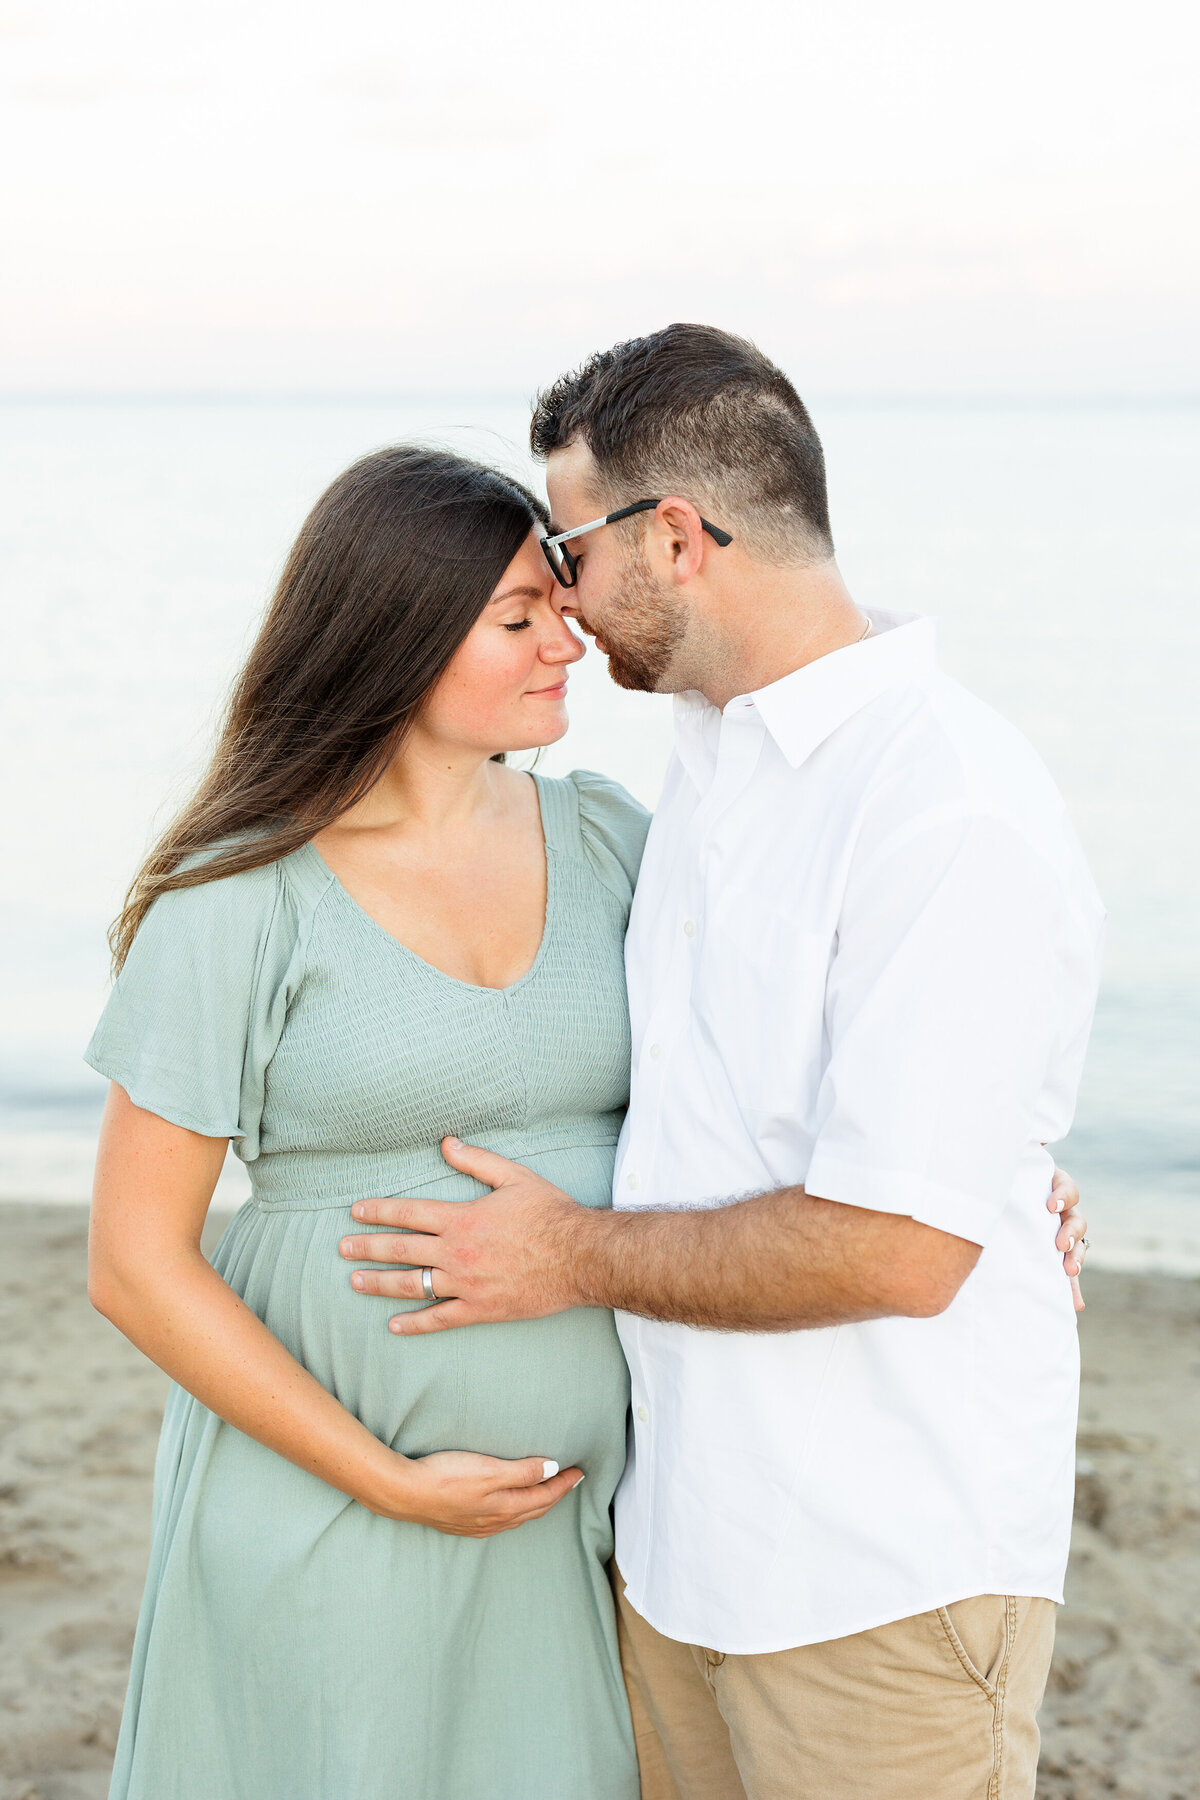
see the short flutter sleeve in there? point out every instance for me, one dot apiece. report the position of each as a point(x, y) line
point(613, 826)
point(198, 1008)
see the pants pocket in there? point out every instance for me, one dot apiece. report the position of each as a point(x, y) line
point(977, 1631)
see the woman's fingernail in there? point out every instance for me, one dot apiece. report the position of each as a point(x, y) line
point(549, 1469)
point(576, 1484)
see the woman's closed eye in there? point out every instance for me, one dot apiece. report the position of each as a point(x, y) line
point(519, 625)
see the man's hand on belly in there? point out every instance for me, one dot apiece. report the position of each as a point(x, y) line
point(781, 1261)
point(511, 1255)
point(778, 1262)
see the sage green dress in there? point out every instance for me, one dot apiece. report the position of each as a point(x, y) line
point(293, 1645)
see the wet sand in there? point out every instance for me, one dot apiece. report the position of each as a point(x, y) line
point(79, 1412)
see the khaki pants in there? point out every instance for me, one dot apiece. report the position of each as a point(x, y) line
point(942, 1706)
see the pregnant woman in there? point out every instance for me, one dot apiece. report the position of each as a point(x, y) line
point(368, 1580)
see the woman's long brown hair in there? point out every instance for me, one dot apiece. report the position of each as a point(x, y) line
point(390, 571)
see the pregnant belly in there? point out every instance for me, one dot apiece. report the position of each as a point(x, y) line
point(554, 1387)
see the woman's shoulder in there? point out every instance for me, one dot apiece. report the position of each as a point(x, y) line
point(612, 829)
point(220, 902)
point(605, 801)
point(235, 910)
point(295, 874)
point(202, 993)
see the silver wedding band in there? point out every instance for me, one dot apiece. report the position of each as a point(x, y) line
point(427, 1284)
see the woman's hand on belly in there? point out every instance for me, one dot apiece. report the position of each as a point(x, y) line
point(154, 1181)
point(466, 1495)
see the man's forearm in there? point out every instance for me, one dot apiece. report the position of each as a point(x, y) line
point(777, 1262)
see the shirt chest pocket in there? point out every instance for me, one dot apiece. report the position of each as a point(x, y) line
point(761, 995)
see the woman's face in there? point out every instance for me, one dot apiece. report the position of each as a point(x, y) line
point(506, 687)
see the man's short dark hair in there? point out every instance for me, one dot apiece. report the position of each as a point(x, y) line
point(701, 413)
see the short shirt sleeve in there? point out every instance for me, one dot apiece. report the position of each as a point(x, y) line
point(198, 1008)
point(944, 1011)
point(613, 826)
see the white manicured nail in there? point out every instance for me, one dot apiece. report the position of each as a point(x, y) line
point(549, 1469)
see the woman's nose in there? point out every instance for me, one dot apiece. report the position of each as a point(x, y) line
point(561, 645)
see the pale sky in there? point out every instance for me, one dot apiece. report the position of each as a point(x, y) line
point(895, 197)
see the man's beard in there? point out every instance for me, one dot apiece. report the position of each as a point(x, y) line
point(643, 628)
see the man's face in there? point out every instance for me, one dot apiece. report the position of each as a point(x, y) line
point(637, 621)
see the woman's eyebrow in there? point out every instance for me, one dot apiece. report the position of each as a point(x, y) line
point(516, 593)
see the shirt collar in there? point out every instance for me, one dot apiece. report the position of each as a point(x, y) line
point(802, 709)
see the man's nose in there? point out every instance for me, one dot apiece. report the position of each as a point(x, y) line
point(563, 600)
point(567, 608)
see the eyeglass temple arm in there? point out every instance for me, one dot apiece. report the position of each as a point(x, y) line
point(627, 512)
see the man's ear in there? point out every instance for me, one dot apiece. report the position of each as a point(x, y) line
point(678, 539)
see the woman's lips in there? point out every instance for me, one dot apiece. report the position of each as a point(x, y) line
point(547, 693)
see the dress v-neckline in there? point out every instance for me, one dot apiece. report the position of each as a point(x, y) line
point(474, 987)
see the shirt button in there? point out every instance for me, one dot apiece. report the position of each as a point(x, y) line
point(689, 928)
point(632, 1181)
point(643, 1415)
point(656, 1051)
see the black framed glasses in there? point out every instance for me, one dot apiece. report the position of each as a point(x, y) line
point(566, 567)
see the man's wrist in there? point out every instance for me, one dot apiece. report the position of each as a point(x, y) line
point(587, 1256)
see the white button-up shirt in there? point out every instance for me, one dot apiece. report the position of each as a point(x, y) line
point(863, 956)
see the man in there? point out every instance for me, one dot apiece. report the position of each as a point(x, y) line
point(862, 965)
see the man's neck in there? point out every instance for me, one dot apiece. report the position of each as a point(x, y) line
point(775, 622)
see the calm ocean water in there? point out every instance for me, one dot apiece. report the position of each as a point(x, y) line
point(1059, 548)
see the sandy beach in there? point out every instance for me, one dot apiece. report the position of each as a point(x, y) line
point(79, 1422)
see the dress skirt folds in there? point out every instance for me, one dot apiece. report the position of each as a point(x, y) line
point(293, 1645)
